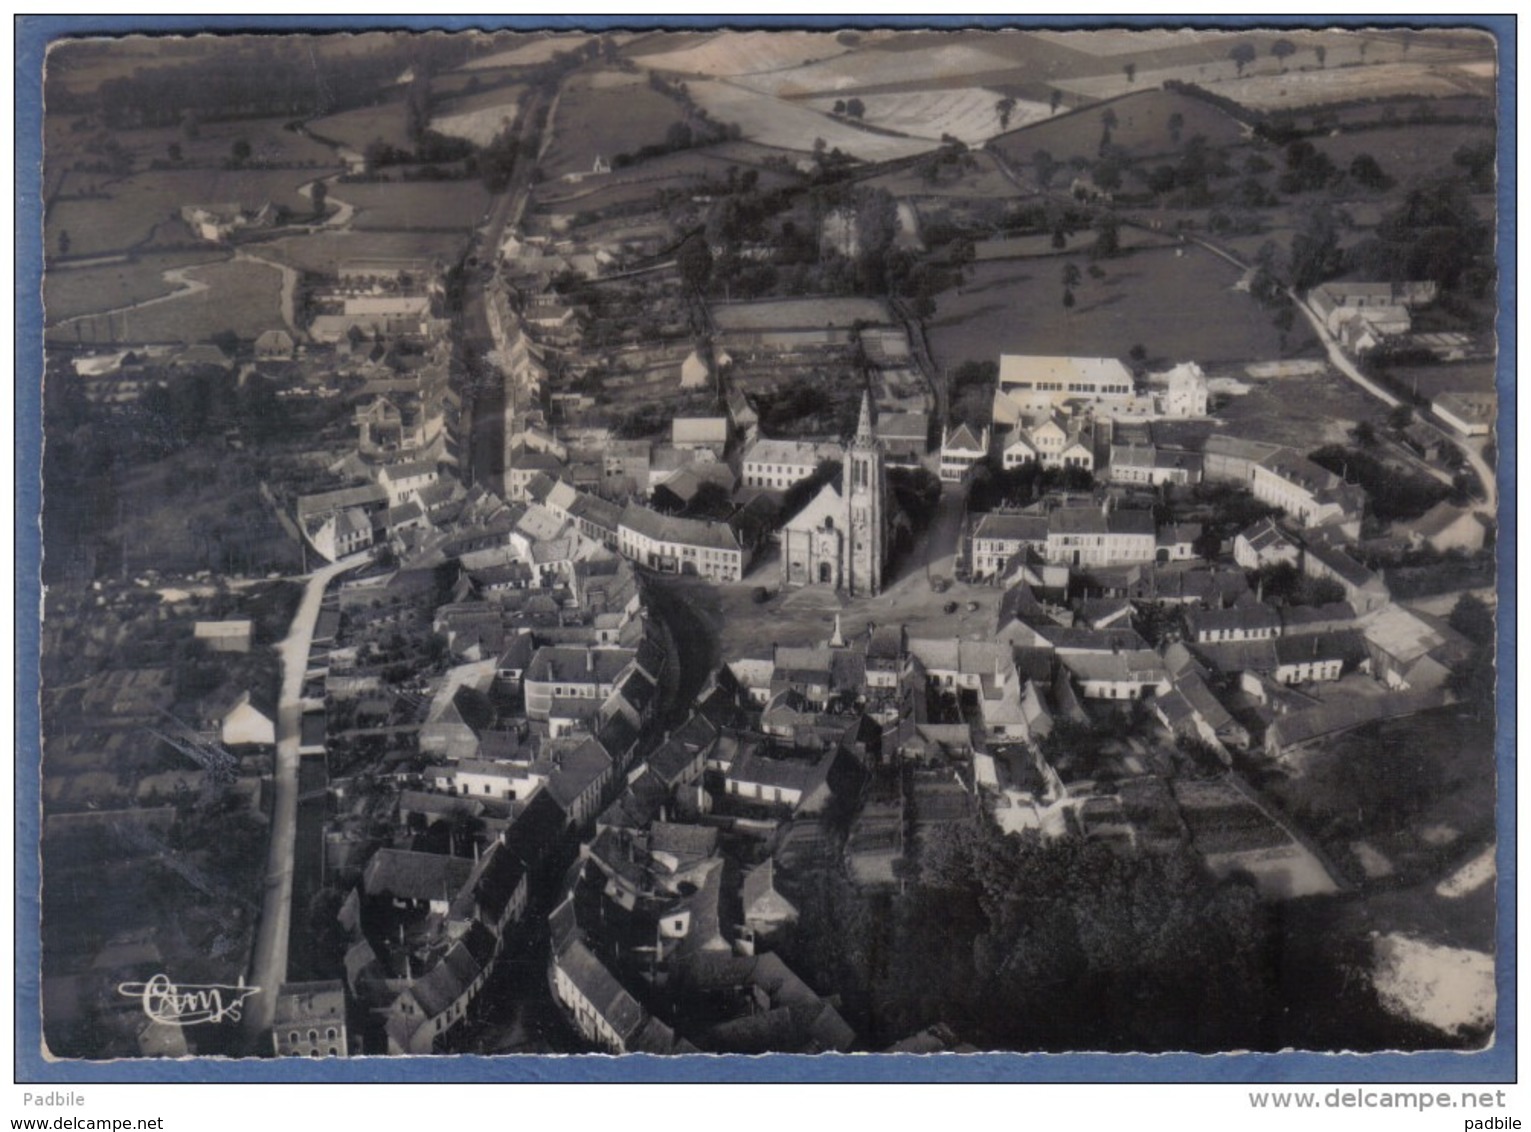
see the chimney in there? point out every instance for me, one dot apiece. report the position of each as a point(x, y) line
point(589, 659)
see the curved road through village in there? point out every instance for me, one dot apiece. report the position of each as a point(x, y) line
point(268, 961)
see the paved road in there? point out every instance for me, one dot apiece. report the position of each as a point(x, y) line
point(268, 963)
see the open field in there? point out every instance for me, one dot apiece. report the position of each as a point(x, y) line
point(70, 292)
point(238, 295)
point(787, 125)
point(135, 206)
point(358, 128)
point(322, 252)
point(965, 113)
point(599, 119)
point(743, 53)
point(1302, 412)
point(942, 60)
point(1184, 309)
point(1406, 153)
point(419, 206)
point(1111, 42)
point(1142, 129)
point(1311, 88)
point(531, 50)
point(1206, 59)
point(270, 145)
point(479, 117)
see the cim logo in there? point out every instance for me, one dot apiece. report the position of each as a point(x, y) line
point(190, 1005)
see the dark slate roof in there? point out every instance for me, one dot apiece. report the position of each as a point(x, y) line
point(407, 875)
point(600, 988)
point(446, 982)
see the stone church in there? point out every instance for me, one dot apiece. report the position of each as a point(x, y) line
point(841, 538)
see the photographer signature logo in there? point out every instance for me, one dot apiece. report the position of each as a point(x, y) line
point(190, 1005)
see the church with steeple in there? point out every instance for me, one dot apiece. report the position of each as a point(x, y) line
point(841, 538)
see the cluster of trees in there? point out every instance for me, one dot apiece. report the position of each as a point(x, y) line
point(1029, 945)
point(1474, 680)
point(1392, 493)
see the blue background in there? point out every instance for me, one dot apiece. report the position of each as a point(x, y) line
point(1496, 1064)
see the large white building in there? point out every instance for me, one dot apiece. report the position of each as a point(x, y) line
point(673, 545)
point(778, 464)
point(1033, 385)
point(1087, 536)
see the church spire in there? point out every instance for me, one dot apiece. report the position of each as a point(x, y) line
point(864, 433)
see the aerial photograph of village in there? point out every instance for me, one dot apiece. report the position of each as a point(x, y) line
point(723, 541)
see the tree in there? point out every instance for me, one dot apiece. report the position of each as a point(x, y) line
point(1054, 100)
point(1068, 299)
point(1282, 50)
point(1472, 617)
point(694, 260)
point(1401, 417)
point(1004, 108)
point(320, 193)
point(1315, 252)
point(1108, 241)
point(1045, 166)
point(1365, 171)
point(1176, 123)
point(64, 241)
point(1070, 275)
point(1365, 433)
point(1242, 55)
point(1320, 53)
point(839, 107)
point(1131, 71)
point(240, 151)
point(678, 136)
point(855, 108)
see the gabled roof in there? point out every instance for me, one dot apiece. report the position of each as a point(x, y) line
point(459, 968)
point(406, 875)
point(600, 989)
point(962, 439)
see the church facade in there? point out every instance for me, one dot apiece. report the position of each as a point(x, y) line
point(841, 538)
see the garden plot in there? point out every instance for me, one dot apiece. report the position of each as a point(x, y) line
point(941, 62)
point(785, 125)
point(968, 114)
point(746, 53)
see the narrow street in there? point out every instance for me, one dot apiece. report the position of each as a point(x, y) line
point(268, 961)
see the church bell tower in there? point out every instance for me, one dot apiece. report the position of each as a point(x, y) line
point(866, 505)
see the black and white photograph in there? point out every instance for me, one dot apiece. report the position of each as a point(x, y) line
point(735, 540)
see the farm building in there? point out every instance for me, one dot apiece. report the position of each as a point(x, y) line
point(225, 636)
point(248, 721)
